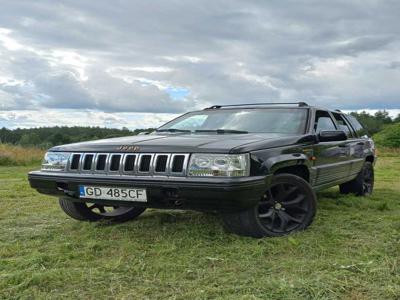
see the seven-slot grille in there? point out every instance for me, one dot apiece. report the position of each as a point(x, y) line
point(163, 164)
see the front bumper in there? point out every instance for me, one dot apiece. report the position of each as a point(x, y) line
point(207, 194)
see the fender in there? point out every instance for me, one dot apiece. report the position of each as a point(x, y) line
point(286, 160)
point(275, 163)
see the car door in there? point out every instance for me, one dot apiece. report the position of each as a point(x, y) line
point(357, 142)
point(331, 158)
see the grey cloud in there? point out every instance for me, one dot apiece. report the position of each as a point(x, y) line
point(245, 51)
point(394, 65)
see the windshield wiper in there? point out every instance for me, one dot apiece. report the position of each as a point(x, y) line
point(172, 130)
point(221, 131)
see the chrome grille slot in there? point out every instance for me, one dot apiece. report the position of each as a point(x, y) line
point(138, 164)
point(101, 162)
point(115, 162)
point(75, 161)
point(177, 163)
point(145, 163)
point(129, 163)
point(87, 162)
point(161, 163)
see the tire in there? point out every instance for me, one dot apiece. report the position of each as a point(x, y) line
point(94, 212)
point(289, 205)
point(363, 184)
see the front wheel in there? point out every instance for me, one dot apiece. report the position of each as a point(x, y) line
point(94, 212)
point(288, 205)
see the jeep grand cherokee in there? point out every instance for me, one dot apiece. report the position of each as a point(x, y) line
point(258, 165)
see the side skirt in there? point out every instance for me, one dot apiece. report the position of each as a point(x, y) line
point(333, 183)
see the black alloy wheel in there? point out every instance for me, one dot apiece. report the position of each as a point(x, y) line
point(368, 180)
point(363, 184)
point(283, 208)
point(288, 205)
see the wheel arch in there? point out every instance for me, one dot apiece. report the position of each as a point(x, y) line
point(296, 164)
point(370, 158)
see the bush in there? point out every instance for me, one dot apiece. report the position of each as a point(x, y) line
point(19, 156)
point(389, 136)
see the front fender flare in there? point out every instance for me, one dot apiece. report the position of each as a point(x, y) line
point(275, 163)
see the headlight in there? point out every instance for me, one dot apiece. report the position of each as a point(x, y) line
point(228, 165)
point(55, 161)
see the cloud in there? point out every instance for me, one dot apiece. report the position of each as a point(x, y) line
point(72, 117)
point(170, 57)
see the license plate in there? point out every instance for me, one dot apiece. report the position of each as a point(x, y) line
point(112, 193)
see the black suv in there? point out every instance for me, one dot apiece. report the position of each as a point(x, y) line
point(258, 165)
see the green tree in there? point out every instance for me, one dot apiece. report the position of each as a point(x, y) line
point(383, 116)
point(31, 139)
point(59, 139)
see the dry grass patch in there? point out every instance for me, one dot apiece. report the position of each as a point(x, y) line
point(11, 155)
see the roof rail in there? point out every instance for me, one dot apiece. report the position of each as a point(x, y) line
point(299, 104)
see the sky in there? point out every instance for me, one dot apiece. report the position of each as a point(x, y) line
point(140, 63)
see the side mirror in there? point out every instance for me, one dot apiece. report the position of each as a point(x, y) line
point(332, 136)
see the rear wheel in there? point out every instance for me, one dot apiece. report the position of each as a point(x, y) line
point(288, 205)
point(93, 212)
point(363, 184)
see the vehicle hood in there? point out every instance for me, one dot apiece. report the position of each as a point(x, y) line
point(185, 143)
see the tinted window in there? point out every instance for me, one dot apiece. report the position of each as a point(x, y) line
point(273, 120)
point(343, 124)
point(323, 121)
point(360, 131)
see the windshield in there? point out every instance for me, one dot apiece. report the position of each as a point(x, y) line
point(272, 120)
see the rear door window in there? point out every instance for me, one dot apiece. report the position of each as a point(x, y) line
point(359, 129)
point(342, 123)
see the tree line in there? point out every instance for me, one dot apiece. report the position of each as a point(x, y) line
point(46, 137)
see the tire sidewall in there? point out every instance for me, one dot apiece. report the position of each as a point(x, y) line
point(310, 196)
point(361, 179)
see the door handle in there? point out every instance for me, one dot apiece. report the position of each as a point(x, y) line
point(360, 144)
point(342, 146)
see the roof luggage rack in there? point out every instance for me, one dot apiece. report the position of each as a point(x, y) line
point(299, 104)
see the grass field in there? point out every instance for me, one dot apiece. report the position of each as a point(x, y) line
point(352, 251)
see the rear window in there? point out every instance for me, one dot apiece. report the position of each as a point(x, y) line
point(358, 128)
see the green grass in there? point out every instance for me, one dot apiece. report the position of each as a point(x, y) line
point(352, 251)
